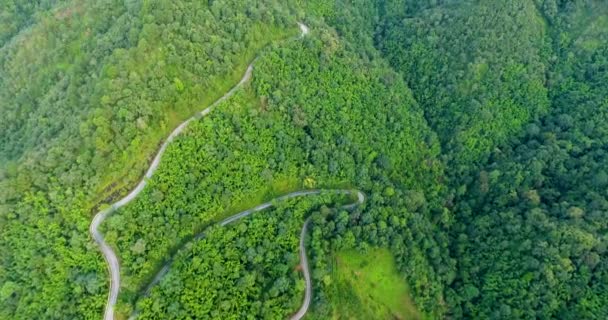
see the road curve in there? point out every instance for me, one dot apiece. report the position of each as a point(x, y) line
point(108, 253)
point(303, 257)
point(360, 199)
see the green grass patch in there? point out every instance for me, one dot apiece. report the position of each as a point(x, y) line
point(368, 286)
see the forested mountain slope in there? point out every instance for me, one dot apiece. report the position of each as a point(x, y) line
point(315, 116)
point(86, 94)
point(476, 129)
point(517, 87)
point(17, 15)
point(477, 68)
point(127, 75)
point(531, 233)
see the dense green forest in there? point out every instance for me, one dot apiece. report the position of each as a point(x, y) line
point(477, 68)
point(271, 143)
point(17, 15)
point(515, 92)
point(87, 91)
point(477, 131)
point(531, 232)
point(247, 271)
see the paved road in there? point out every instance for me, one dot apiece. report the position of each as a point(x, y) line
point(304, 257)
point(108, 253)
point(306, 272)
point(266, 205)
point(111, 257)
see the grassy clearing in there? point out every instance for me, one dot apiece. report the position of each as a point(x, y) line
point(368, 286)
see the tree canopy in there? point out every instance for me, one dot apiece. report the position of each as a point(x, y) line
point(476, 129)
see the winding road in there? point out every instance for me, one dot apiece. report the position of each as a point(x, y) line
point(111, 257)
point(303, 256)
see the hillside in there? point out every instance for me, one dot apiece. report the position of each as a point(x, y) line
point(374, 160)
point(88, 90)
